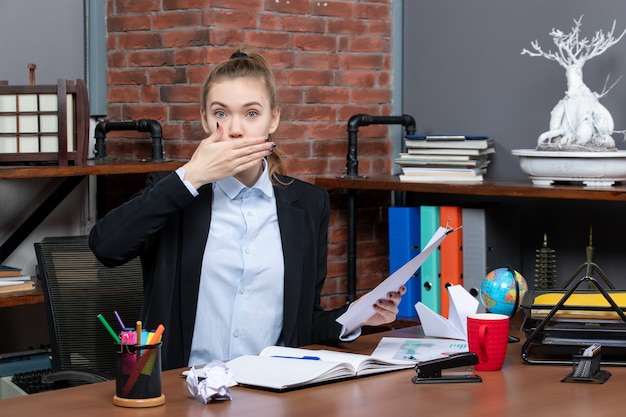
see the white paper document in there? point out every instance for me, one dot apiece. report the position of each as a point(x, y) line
point(462, 304)
point(363, 310)
point(417, 349)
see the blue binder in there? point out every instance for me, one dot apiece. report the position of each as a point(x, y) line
point(404, 245)
point(429, 274)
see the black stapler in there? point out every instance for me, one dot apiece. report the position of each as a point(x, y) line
point(429, 372)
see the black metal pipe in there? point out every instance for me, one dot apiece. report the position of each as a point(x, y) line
point(351, 278)
point(358, 120)
point(143, 125)
point(352, 171)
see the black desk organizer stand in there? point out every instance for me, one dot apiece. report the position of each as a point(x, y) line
point(587, 369)
point(535, 335)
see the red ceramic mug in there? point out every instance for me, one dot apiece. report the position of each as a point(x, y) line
point(487, 337)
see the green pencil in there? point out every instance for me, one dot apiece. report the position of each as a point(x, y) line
point(108, 327)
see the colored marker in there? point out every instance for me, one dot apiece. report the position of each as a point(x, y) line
point(153, 339)
point(108, 327)
point(138, 330)
point(156, 337)
point(119, 319)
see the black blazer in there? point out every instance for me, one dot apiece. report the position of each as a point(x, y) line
point(167, 227)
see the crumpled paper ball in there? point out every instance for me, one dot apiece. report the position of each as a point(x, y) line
point(211, 382)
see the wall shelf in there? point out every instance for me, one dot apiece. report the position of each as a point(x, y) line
point(106, 167)
point(488, 191)
point(73, 175)
point(489, 188)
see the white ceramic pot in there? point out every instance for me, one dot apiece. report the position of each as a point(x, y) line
point(597, 169)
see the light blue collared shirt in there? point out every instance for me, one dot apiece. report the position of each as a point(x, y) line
point(240, 301)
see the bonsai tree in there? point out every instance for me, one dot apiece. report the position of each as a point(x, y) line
point(578, 122)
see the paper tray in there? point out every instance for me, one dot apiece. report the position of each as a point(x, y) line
point(557, 341)
point(581, 306)
point(558, 323)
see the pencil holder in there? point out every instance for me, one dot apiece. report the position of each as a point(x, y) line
point(138, 376)
point(587, 369)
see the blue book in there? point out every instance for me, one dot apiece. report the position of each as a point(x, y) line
point(404, 245)
point(10, 271)
point(430, 270)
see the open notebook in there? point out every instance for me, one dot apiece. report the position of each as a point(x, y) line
point(281, 368)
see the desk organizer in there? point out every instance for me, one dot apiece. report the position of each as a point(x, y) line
point(587, 369)
point(44, 123)
point(558, 323)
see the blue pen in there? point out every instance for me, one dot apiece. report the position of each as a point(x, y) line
point(310, 358)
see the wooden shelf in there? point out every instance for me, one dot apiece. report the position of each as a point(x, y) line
point(489, 188)
point(19, 298)
point(489, 191)
point(106, 167)
point(92, 167)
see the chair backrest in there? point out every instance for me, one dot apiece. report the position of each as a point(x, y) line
point(77, 287)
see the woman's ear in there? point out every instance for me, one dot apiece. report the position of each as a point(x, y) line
point(275, 120)
point(205, 123)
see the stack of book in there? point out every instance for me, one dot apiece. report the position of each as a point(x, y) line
point(12, 279)
point(445, 158)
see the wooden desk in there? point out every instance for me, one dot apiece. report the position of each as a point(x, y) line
point(518, 390)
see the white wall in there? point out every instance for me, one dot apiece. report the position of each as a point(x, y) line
point(46, 33)
point(464, 72)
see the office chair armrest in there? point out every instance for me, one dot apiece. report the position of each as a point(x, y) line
point(73, 375)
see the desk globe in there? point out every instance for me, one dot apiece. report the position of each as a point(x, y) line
point(498, 291)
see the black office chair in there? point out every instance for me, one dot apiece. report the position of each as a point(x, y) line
point(77, 287)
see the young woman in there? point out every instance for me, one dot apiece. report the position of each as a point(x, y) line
point(234, 252)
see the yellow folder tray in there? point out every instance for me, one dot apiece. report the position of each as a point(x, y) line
point(591, 306)
point(559, 322)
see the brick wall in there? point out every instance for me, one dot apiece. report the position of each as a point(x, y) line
point(332, 60)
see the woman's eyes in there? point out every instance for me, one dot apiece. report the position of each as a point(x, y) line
point(250, 113)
